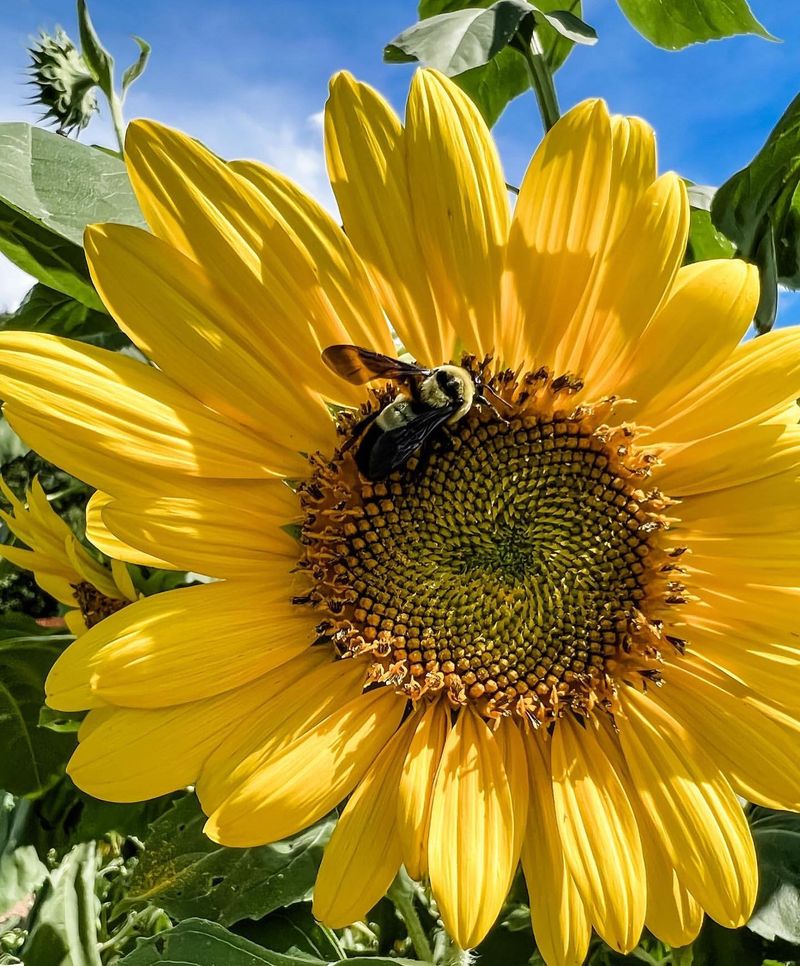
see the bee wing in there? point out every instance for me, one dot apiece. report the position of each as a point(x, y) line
point(392, 448)
point(358, 365)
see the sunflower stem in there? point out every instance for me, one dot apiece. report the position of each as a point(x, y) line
point(117, 120)
point(541, 80)
point(403, 898)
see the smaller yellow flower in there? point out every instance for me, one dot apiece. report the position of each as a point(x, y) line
point(60, 564)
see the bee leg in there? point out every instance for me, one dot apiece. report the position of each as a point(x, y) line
point(483, 401)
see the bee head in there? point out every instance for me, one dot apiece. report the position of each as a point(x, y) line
point(451, 385)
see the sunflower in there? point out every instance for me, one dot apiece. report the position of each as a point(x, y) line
point(61, 565)
point(557, 636)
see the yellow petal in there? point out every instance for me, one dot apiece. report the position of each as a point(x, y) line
point(182, 645)
point(341, 272)
point(744, 561)
point(733, 457)
point(363, 855)
point(123, 580)
point(634, 278)
point(198, 204)
point(558, 227)
point(74, 619)
point(702, 321)
point(748, 653)
point(700, 822)
point(753, 743)
point(471, 840)
point(772, 609)
point(94, 719)
point(669, 906)
point(759, 378)
point(56, 584)
point(365, 149)
point(99, 534)
point(39, 527)
point(762, 507)
point(415, 793)
point(131, 755)
point(111, 407)
point(599, 834)
point(511, 743)
point(560, 923)
point(633, 169)
point(206, 347)
point(302, 702)
point(208, 537)
point(460, 205)
point(673, 916)
point(314, 773)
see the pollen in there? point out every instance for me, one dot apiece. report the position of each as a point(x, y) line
point(511, 564)
point(93, 605)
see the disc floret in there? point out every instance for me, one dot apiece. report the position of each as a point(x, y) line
point(512, 564)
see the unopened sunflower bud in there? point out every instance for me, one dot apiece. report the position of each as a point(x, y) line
point(64, 84)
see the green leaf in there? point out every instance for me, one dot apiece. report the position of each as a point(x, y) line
point(197, 942)
point(187, 874)
point(32, 757)
point(45, 310)
point(765, 257)
point(461, 40)
point(777, 910)
point(64, 919)
point(718, 946)
point(741, 205)
point(682, 22)
point(291, 931)
point(51, 187)
point(569, 26)
point(557, 46)
point(65, 816)
point(98, 59)
point(464, 39)
point(759, 209)
point(484, 66)
point(785, 217)
point(493, 85)
point(42, 253)
point(135, 71)
point(11, 446)
point(705, 241)
point(62, 722)
point(21, 872)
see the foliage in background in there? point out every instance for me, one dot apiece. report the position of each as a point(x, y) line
point(94, 884)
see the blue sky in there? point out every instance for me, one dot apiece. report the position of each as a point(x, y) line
point(249, 77)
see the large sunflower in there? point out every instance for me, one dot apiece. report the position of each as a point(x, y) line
point(568, 635)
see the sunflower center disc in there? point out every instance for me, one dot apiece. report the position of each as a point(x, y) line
point(512, 565)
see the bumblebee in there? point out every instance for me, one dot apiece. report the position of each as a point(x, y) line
point(432, 399)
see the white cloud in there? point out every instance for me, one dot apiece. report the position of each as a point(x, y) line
point(277, 123)
point(14, 283)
